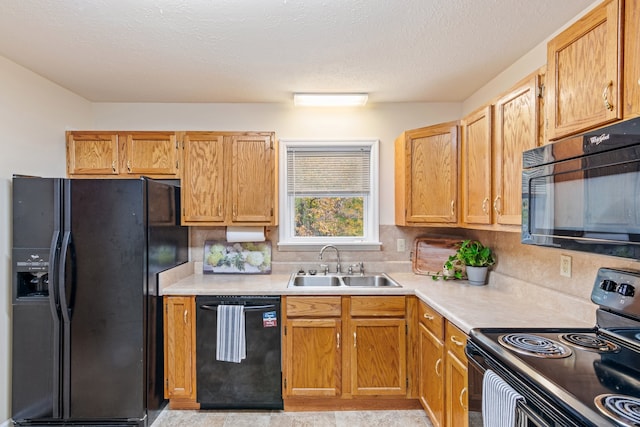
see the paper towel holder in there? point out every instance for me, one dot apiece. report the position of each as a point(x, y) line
point(245, 234)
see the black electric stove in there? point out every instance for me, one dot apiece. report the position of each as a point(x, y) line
point(569, 376)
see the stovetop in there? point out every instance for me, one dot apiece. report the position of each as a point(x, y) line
point(576, 378)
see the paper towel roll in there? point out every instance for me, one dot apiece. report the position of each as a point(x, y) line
point(245, 234)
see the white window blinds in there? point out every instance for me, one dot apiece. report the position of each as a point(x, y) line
point(342, 170)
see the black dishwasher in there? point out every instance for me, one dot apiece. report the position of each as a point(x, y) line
point(255, 382)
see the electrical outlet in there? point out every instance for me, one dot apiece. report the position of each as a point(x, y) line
point(565, 265)
point(401, 245)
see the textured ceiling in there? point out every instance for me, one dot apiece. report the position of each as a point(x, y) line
point(264, 50)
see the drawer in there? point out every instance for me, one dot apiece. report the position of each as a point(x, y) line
point(456, 341)
point(314, 306)
point(387, 306)
point(431, 319)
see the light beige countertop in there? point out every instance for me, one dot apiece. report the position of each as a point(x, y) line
point(504, 302)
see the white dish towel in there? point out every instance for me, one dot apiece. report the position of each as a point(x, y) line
point(498, 401)
point(231, 345)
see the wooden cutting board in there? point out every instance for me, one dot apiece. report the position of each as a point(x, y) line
point(431, 252)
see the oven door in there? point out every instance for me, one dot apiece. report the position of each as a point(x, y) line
point(534, 411)
point(525, 417)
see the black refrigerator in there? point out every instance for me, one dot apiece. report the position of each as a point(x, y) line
point(87, 316)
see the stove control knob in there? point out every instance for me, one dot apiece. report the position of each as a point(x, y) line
point(608, 285)
point(625, 289)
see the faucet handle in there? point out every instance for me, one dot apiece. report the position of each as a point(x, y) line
point(324, 268)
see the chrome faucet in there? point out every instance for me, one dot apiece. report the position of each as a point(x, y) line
point(338, 270)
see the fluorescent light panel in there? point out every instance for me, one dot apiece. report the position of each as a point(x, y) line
point(330, 99)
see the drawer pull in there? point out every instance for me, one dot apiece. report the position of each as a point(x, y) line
point(428, 316)
point(129, 166)
point(338, 339)
point(355, 340)
point(495, 205)
point(438, 364)
point(457, 342)
point(453, 208)
point(185, 316)
point(113, 166)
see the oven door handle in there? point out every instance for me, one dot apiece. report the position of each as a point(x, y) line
point(471, 353)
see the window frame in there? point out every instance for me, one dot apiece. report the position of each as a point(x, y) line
point(289, 242)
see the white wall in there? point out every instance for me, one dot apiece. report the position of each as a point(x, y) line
point(34, 114)
point(384, 122)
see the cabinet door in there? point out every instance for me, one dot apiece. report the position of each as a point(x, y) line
point(432, 376)
point(476, 167)
point(152, 153)
point(180, 349)
point(92, 153)
point(378, 357)
point(203, 179)
point(431, 174)
point(313, 362)
point(252, 179)
point(584, 75)
point(456, 392)
point(516, 130)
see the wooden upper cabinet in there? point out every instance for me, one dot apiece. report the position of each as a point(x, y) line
point(426, 176)
point(476, 167)
point(203, 178)
point(515, 130)
point(631, 59)
point(92, 153)
point(584, 72)
point(252, 179)
point(151, 153)
point(229, 178)
point(122, 154)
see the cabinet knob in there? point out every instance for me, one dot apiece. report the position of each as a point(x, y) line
point(428, 316)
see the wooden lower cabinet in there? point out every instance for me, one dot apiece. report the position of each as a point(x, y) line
point(456, 382)
point(456, 391)
point(345, 352)
point(378, 357)
point(431, 375)
point(313, 362)
point(444, 391)
point(180, 352)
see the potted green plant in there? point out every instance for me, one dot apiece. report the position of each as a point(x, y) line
point(471, 256)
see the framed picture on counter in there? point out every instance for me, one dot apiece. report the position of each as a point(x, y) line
point(222, 257)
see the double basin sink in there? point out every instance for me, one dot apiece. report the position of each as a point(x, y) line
point(373, 280)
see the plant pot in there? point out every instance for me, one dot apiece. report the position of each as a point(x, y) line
point(477, 275)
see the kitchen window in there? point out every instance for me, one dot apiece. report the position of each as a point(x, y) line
point(329, 194)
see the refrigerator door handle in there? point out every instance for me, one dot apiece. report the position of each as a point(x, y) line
point(65, 305)
point(54, 304)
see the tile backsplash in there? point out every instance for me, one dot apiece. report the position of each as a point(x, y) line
point(525, 264)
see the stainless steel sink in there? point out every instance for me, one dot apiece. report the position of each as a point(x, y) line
point(315, 281)
point(370, 281)
point(377, 280)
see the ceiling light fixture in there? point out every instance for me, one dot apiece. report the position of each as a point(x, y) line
point(330, 99)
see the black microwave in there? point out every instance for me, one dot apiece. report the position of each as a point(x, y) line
point(583, 192)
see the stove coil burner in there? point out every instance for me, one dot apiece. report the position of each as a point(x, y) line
point(589, 342)
point(534, 345)
point(624, 410)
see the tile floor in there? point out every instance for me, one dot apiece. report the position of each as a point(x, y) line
point(405, 418)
